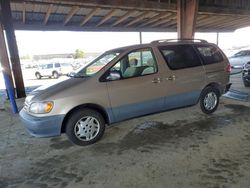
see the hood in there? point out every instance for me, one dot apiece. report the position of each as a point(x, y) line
point(46, 91)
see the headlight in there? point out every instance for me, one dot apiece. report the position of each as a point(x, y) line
point(246, 66)
point(41, 107)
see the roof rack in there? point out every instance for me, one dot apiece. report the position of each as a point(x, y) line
point(179, 40)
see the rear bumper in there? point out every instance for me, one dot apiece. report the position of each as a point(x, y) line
point(42, 126)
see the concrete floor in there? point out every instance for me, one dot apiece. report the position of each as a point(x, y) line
point(180, 148)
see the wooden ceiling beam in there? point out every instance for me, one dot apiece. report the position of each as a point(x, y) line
point(46, 18)
point(71, 13)
point(216, 22)
point(89, 16)
point(205, 19)
point(234, 22)
point(138, 18)
point(242, 24)
point(110, 4)
point(201, 17)
point(107, 17)
point(124, 17)
point(24, 12)
point(162, 21)
point(155, 18)
point(170, 24)
point(209, 20)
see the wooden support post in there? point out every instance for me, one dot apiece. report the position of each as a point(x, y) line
point(186, 18)
point(4, 60)
point(12, 46)
point(140, 37)
point(217, 38)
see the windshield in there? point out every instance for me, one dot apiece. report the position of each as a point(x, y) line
point(96, 65)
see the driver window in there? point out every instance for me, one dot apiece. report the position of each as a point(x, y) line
point(136, 63)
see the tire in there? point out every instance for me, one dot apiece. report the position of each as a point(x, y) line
point(55, 75)
point(246, 83)
point(80, 132)
point(209, 100)
point(38, 75)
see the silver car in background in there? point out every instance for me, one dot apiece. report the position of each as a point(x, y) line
point(239, 59)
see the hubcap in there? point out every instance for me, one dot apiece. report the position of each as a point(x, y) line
point(210, 101)
point(87, 128)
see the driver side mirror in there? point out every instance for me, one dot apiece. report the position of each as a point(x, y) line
point(113, 76)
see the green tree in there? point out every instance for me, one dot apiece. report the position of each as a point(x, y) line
point(79, 54)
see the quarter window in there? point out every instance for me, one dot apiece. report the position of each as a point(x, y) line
point(180, 56)
point(137, 63)
point(210, 54)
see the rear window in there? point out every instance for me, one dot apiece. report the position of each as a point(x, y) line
point(180, 56)
point(209, 54)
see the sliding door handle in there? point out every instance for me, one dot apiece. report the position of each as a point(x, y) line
point(156, 80)
point(171, 78)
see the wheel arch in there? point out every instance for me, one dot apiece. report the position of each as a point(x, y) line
point(54, 71)
point(92, 106)
point(215, 85)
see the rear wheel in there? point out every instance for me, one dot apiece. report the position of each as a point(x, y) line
point(85, 126)
point(38, 75)
point(55, 75)
point(209, 100)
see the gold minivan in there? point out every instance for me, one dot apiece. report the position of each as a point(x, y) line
point(125, 83)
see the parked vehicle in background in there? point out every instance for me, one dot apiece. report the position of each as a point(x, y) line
point(246, 74)
point(239, 59)
point(53, 70)
point(129, 82)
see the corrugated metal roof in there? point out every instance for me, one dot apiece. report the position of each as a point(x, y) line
point(112, 15)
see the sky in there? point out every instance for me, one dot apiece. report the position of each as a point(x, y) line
point(51, 42)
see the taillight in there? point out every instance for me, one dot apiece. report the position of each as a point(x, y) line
point(228, 68)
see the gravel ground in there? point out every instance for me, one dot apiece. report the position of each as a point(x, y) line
point(180, 148)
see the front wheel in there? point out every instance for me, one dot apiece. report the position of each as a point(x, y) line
point(85, 126)
point(209, 100)
point(38, 76)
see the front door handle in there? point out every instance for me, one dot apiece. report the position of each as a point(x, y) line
point(156, 80)
point(172, 78)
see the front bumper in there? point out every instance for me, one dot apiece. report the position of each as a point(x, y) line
point(228, 87)
point(42, 126)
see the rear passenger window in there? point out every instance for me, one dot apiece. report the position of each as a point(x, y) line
point(210, 54)
point(180, 56)
point(57, 65)
point(49, 66)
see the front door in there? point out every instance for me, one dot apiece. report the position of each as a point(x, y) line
point(139, 90)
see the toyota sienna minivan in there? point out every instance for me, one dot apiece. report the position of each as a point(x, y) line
point(128, 82)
